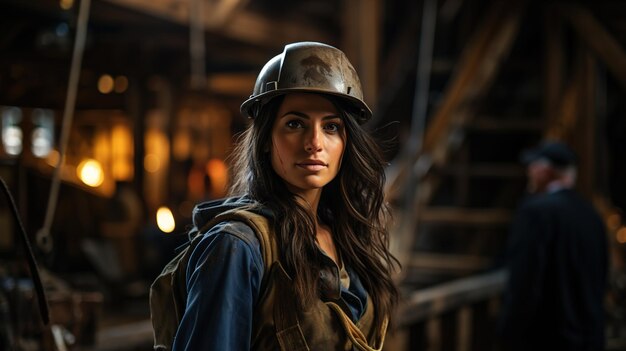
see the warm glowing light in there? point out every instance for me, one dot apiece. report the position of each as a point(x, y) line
point(151, 163)
point(218, 173)
point(105, 84)
point(121, 84)
point(621, 235)
point(66, 4)
point(182, 144)
point(90, 172)
point(614, 221)
point(165, 219)
point(122, 152)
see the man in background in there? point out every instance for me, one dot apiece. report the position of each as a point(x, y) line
point(557, 261)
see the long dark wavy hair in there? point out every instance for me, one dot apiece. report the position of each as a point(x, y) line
point(352, 204)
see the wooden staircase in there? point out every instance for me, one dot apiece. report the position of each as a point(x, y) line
point(455, 192)
point(454, 196)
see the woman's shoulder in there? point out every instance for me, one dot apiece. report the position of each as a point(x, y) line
point(230, 242)
point(233, 230)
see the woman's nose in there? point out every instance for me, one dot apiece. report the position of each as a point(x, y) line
point(313, 142)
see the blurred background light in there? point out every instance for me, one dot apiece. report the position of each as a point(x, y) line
point(90, 172)
point(11, 131)
point(105, 84)
point(165, 220)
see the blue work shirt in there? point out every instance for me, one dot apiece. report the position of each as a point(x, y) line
point(224, 275)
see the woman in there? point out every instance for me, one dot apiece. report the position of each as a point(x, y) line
point(306, 165)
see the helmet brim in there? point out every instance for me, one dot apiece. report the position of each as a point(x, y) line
point(251, 107)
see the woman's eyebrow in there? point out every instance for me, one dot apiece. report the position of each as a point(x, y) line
point(305, 116)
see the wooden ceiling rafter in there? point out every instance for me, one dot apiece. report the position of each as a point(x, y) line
point(242, 26)
point(598, 39)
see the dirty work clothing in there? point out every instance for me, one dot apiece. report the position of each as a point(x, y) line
point(224, 276)
point(558, 275)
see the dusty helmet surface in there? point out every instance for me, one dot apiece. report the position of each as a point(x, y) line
point(308, 67)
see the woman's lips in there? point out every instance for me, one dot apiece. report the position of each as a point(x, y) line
point(312, 165)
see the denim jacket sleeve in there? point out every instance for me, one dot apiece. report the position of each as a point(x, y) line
point(223, 280)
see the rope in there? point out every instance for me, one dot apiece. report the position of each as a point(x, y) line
point(43, 235)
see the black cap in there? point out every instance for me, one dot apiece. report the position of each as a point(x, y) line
point(557, 153)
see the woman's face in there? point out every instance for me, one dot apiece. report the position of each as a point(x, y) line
point(308, 140)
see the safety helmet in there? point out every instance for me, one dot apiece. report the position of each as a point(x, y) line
point(308, 67)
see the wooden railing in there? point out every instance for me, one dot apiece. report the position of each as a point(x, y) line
point(460, 315)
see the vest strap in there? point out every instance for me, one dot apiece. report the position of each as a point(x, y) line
point(354, 333)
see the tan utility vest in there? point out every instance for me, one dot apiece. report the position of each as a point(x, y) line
point(279, 325)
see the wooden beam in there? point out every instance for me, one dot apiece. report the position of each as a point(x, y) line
point(486, 170)
point(598, 39)
point(432, 302)
point(465, 216)
point(584, 134)
point(554, 62)
point(243, 25)
point(478, 66)
point(238, 84)
point(496, 125)
point(448, 262)
point(361, 42)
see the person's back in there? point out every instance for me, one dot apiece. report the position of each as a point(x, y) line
point(557, 263)
point(569, 309)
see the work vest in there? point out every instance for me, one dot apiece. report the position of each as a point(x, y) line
point(278, 323)
point(324, 325)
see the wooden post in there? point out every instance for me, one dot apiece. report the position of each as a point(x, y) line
point(434, 334)
point(361, 42)
point(464, 329)
point(554, 63)
point(449, 329)
point(585, 131)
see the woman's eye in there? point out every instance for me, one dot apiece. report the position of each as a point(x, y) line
point(294, 124)
point(332, 127)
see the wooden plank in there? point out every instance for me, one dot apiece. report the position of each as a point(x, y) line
point(448, 262)
point(127, 336)
point(463, 177)
point(495, 125)
point(598, 39)
point(431, 302)
point(486, 170)
point(465, 216)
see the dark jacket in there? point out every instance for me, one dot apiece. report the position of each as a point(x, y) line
point(557, 262)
